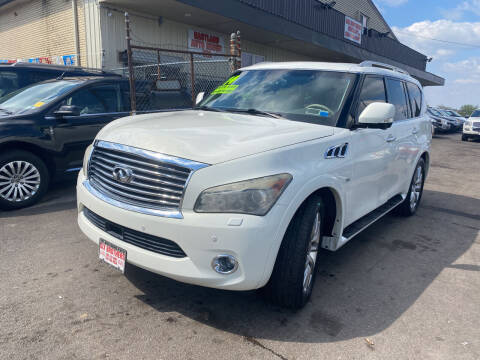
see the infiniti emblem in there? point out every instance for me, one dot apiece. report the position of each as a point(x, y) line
point(121, 174)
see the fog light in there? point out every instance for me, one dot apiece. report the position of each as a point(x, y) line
point(224, 264)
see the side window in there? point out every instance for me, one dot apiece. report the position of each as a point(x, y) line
point(373, 90)
point(397, 97)
point(415, 95)
point(96, 99)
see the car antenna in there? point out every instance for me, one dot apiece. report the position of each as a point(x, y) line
point(61, 76)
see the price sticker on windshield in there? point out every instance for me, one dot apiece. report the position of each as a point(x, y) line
point(39, 104)
point(227, 87)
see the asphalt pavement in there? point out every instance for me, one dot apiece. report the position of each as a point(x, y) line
point(406, 288)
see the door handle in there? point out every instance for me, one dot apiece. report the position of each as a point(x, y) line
point(414, 131)
point(391, 138)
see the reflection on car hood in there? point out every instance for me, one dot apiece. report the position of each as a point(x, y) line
point(209, 137)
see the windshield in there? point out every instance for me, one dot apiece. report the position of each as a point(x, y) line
point(476, 113)
point(453, 113)
point(300, 95)
point(434, 112)
point(34, 97)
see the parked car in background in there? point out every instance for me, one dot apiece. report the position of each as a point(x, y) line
point(471, 127)
point(18, 75)
point(454, 114)
point(455, 123)
point(280, 161)
point(46, 127)
point(439, 123)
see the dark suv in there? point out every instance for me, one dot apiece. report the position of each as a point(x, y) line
point(19, 75)
point(46, 127)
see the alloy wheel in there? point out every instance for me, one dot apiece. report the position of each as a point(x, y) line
point(19, 181)
point(312, 252)
point(416, 188)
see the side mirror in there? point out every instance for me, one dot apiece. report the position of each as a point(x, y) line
point(67, 110)
point(377, 115)
point(199, 98)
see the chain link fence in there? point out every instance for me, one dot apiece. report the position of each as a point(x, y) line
point(171, 79)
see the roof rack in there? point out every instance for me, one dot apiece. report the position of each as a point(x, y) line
point(383, 66)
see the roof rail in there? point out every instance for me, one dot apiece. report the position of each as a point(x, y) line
point(383, 66)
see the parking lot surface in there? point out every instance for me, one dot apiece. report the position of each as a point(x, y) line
point(406, 288)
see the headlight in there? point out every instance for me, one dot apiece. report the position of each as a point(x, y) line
point(468, 123)
point(86, 158)
point(255, 196)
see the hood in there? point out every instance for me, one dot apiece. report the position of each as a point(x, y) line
point(209, 137)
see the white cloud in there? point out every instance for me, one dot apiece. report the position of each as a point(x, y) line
point(460, 65)
point(392, 3)
point(457, 13)
point(419, 36)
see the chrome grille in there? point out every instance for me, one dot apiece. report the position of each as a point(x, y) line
point(155, 181)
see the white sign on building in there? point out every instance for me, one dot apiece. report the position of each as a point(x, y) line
point(353, 30)
point(201, 41)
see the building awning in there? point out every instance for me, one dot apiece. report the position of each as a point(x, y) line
point(264, 26)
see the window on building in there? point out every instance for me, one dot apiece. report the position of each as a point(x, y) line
point(397, 97)
point(373, 90)
point(364, 20)
point(415, 96)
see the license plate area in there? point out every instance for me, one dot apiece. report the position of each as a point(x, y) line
point(113, 255)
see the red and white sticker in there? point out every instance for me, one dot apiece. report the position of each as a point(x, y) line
point(112, 255)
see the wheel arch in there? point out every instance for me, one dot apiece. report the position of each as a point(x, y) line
point(335, 215)
point(32, 148)
point(426, 157)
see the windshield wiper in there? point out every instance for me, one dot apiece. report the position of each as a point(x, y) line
point(207, 108)
point(261, 112)
point(248, 111)
point(256, 112)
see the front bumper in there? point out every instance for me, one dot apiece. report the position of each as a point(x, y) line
point(470, 132)
point(201, 237)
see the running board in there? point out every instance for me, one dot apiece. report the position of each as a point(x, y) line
point(361, 224)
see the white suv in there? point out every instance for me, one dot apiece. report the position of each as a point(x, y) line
point(471, 127)
point(240, 193)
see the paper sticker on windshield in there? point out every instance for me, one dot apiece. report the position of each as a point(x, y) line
point(323, 113)
point(39, 104)
point(227, 87)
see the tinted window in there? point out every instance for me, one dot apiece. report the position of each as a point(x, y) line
point(476, 113)
point(97, 99)
point(8, 82)
point(396, 97)
point(37, 76)
point(415, 99)
point(373, 90)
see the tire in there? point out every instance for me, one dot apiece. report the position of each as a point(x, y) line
point(407, 207)
point(31, 176)
point(464, 137)
point(286, 285)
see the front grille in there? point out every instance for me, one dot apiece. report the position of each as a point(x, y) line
point(154, 184)
point(148, 242)
point(476, 124)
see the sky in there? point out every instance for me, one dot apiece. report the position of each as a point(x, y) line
point(456, 57)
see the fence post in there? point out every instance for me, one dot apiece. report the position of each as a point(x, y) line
point(239, 51)
point(131, 75)
point(233, 50)
point(192, 77)
point(158, 64)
